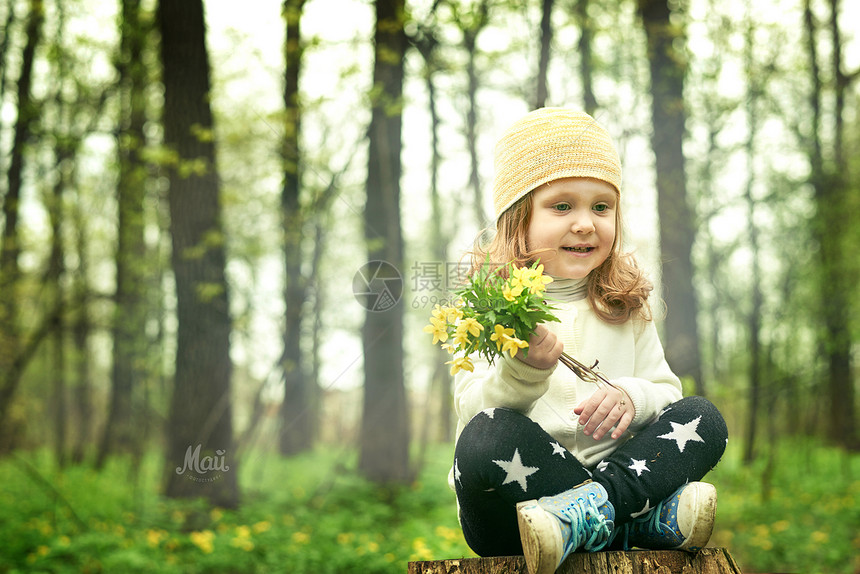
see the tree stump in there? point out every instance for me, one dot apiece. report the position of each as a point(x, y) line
point(707, 561)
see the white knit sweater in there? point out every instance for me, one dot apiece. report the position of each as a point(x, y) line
point(630, 355)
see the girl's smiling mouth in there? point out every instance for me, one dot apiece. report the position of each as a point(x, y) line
point(579, 249)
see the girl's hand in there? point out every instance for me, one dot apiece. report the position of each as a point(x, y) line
point(544, 349)
point(607, 407)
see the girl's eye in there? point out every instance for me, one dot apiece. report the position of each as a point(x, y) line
point(601, 207)
point(561, 207)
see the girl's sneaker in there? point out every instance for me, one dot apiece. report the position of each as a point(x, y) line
point(554, 526)
point(684, 521)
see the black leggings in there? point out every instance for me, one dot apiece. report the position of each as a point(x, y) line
point(503, 457)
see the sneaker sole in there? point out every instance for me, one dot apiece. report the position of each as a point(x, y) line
point(698, 505)
point(540, 536)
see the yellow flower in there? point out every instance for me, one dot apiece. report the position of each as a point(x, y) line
point(438, 328)
point(454, 313)
point(461, 364)
point(539, 281)
point(520, 276)
point(261, 526)
point(512, 345)
point(344, 538)
point(243, 543)
point(512, 290)
point(471, 325)
point(301, 537)
point(499, 335)
point(243, 531)
point(154, 537)
point(448, 348)
point(461, 338)
point(203, 540)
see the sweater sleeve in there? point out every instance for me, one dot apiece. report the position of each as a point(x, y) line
point(653, 385)
point(508, 383)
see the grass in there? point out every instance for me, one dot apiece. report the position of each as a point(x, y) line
point(312, 513)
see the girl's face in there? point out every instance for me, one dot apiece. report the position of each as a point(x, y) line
point(574, 220)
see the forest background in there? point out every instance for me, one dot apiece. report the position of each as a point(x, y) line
point(224, 229)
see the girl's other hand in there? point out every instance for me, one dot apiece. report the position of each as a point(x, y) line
point(606, 408)
point(544, 349)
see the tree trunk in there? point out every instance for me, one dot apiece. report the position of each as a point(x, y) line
point(840, 281)
point(586, 65)
point(123, 428)
point(199, 426)
point(296, 434)
point(545, 50)
point(81, 328)
point(471, 29)
point(54, 285)
point(831, 196)
point(754, 319)
point(384, 441)
point(10, 270)
point(707, 561)
point(677, 231)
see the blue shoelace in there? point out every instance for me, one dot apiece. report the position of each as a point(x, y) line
point(650, 522)
point(585, 518)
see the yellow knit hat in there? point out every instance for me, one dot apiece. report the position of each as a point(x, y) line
point(549, 144)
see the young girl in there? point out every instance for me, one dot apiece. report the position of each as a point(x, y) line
point(546, 463)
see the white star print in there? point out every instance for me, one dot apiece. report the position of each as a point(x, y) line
point(601, 466)
point(646, 509)
point(516, 471)
point(682, 434)
point(489, 412)
point(639, 466)
point(457, 473)
point(558, 449)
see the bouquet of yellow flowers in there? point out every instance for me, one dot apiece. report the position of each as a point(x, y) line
point(495, 313)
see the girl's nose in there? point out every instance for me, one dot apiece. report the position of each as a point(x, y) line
point(582, 223)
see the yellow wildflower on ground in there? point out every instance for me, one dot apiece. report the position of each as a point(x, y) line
point(154, 537)
point(243, 543)
point(420, 550)
point(301, 537)
point(448, 534)
point(345, 537)
point(203, 540)
point(261, 526)
point(780, 526)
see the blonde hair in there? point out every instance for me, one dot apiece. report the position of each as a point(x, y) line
point(617, 290)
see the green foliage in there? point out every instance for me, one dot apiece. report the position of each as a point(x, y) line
point(794, 511)
point(314, 514)
point(311, 513)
